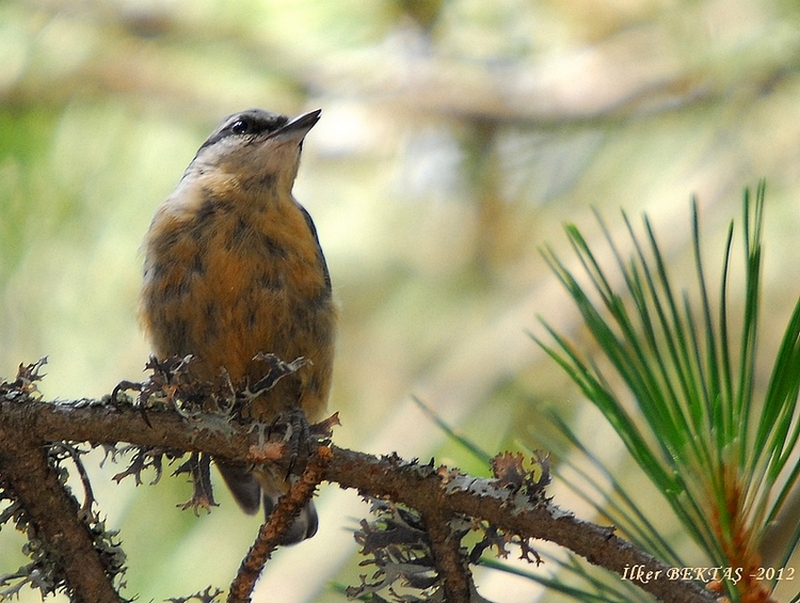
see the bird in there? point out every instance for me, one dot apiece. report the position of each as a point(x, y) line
point(233, 269)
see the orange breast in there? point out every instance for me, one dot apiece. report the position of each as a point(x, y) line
point(226, 281)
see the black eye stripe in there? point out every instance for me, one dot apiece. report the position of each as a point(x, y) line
point(247, 123)
point(256, 124)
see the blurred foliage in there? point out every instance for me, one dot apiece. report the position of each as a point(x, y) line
point(456, 137)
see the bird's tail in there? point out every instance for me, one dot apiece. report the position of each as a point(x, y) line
point(304, 525)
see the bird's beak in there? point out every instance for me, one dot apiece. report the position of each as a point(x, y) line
point(298, 127)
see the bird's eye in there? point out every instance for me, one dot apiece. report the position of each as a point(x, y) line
point(240, 126)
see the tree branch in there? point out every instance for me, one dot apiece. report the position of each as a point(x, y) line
point(280, 520)
point(438, 494)
point(428, 491)
point(448, 557)
point(52, 513)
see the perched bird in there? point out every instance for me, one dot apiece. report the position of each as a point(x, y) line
point(234, 268)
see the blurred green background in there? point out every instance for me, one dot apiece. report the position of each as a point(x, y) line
point(456, 138)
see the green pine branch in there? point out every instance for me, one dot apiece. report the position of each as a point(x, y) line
point(723, 456)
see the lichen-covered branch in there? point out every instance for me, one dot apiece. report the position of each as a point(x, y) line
point(513, 503)
point(67, 554)
point(423, 487)
point(270, 534)
point(448, 558)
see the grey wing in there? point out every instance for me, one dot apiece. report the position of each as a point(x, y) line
point(243, 485)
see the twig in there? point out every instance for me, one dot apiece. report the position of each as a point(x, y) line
point(451, 562)
point(280, 520)
point(88, 494)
